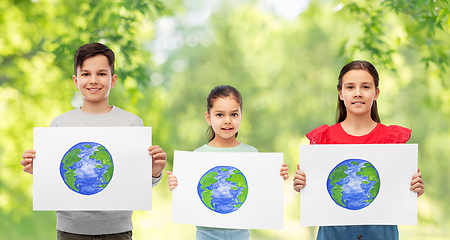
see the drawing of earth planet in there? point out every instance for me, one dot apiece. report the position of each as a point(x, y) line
point(353, 184)
point(87, 168)
point(223, 189)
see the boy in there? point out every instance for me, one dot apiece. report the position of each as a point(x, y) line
point(94, 78)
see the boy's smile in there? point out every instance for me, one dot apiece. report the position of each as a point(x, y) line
point(93, 90)
point(94, 81)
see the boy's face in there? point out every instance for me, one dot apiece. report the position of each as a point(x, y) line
point(94, 80)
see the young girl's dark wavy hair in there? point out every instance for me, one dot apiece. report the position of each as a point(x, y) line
point(221, 91)
point(341, 111)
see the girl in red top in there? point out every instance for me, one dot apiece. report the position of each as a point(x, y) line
point(358, 123)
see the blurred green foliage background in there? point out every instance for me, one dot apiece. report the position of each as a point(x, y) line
point(284, 56)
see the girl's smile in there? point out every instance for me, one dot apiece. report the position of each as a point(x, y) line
point(358, 92)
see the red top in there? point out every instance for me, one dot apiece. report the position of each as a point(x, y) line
point(335, 134)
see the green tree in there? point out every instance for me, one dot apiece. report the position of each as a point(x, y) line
point(384, 28)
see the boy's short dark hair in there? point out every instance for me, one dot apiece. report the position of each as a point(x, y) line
point(92, 50)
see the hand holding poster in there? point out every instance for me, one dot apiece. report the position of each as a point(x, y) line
point(358, 184)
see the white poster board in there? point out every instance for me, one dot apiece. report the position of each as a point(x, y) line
point(353, 184)
point(261, 209)
point(92, 168)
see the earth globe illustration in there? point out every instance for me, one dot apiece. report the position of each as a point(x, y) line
point(223, 189)
point(353, 184)
point(87, 168)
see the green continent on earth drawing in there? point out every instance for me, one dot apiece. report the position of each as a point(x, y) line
point(223, 189)
point(353, 184)
point(87, 168)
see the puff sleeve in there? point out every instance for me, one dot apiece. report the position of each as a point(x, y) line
point(398, 134)
point(319, 135)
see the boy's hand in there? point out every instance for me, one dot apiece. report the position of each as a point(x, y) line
point(171, 180)
point(27, 161)
point(299, 179)
point(284, 171)
point(417, 184)
point(158, 160)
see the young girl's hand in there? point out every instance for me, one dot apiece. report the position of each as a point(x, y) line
point(299, 179)
point(172, 180)
point(27, 160)
point(158, 160)
point(417, 184)
point(284, 171)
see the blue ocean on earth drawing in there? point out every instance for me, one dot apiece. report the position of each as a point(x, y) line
point(87, 168)
point(353, 184)
point(223, 189)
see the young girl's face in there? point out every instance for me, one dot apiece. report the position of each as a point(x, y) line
point(225, 117)
point(358, 92)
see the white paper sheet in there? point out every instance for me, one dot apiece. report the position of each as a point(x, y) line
point(395, 204)
point(130, 187)
point(263, 207)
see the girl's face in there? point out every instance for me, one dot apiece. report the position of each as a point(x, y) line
point(358, 92)
point(224, 117)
